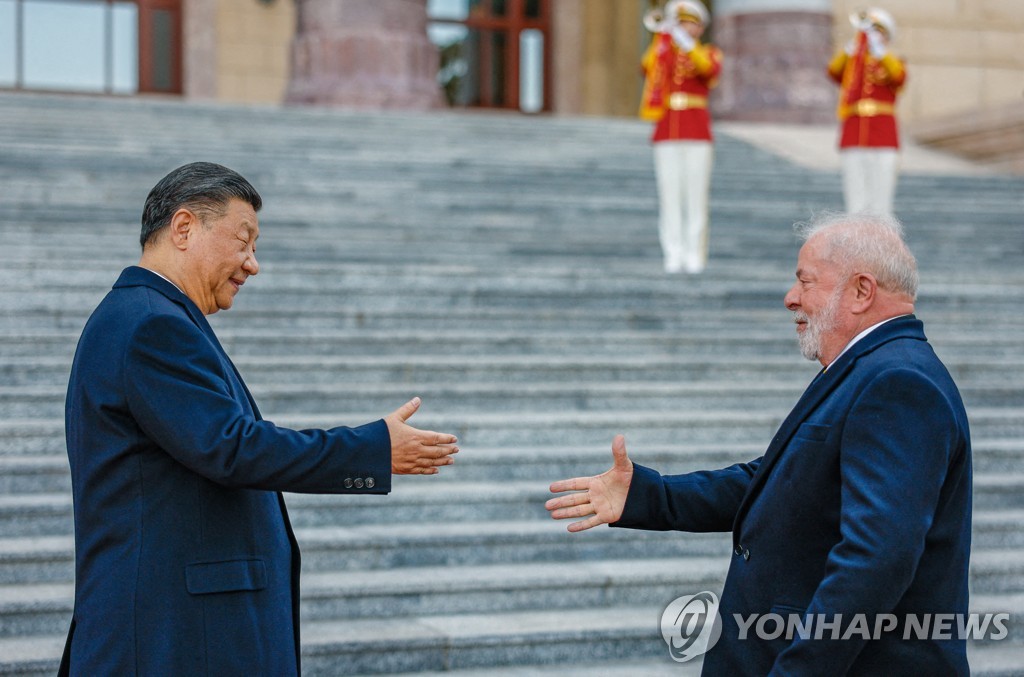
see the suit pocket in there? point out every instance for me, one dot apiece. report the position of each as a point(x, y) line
point(788, 610)
point(792, 624)
point(204, 578)
point(813, 432)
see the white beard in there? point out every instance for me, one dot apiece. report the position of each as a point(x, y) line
point(824, 322)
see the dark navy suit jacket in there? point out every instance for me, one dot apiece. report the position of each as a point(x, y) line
point(185, 561)
point(860, 505)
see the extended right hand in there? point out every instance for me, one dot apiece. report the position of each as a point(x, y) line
point(602, 497)
point(413, 451)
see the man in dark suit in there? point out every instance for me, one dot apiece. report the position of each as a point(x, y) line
point(861, 504)
point(185, 561)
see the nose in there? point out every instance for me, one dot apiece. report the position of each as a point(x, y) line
point(792, 298)
point(251, 265)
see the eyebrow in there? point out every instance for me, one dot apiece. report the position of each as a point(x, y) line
point(803, 272)
point(251, 229)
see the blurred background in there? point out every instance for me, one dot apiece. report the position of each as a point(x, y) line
point(568, 57)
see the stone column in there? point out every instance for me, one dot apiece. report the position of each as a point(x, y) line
point(369, 54)
point(199, 49)
point(775, 54)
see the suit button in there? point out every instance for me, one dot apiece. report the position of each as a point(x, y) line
point(746, 554)
point(347, 483)
point(738, 550)
point(370, 483)
point(359, 483)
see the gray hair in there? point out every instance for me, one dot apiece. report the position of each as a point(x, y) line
point(869, 243)
point(204, 187)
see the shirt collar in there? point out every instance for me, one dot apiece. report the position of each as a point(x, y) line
point(861, 335)
point(179, 288)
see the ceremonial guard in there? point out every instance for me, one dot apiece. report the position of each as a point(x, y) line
point(679, 71)
point(869, 77)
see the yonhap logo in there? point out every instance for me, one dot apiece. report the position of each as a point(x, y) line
point(691, 625)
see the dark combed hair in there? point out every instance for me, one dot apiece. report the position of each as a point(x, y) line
point(203, 187)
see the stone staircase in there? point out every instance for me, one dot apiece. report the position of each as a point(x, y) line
point(992, 136)
point(507, 270)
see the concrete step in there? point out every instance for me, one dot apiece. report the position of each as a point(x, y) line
point(485, 241)
point(705, 294)
point(38, 657)
point(415, 370)
point(48, 473)
point(37, 514)
point(575, 428)
point(437, 642)
point(778, 341)
point(41, 609)
point(354, 316)
point(419, 591)
point(44, 609)
point(276, 400)
point(287, 270)
point(615, 643)
point(50, 559)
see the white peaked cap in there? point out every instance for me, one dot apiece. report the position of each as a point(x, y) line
point(882, 18)
point(692, 8)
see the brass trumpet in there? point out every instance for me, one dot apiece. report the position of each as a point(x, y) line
point(858, 18)
point(863, 19)
point(656, 22)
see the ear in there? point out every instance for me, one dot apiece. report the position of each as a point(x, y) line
point(865, 291)
point(184, 224)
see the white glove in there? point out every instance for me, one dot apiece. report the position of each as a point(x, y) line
point(876, 44)
point(683, 39)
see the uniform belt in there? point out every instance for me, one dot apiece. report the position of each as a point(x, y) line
point(683, 101)
point(867, 108)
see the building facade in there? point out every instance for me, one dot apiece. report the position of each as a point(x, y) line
point(551, 56)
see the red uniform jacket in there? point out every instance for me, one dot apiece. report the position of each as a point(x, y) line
point(867, 97)
point(676, 89)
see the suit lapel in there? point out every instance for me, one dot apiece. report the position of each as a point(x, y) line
point(818, 390)
point(137, 276)
point(204, 325)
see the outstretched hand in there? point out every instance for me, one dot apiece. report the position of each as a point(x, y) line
point(602, 497)
point(414, 451)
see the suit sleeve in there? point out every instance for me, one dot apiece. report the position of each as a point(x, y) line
point(897, 444)
point(698, 501)
point(179, 396)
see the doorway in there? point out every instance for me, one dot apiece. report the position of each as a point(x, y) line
point(494, 53)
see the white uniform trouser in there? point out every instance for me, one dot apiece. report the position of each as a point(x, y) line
point(869, 179)
point(683, 172)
